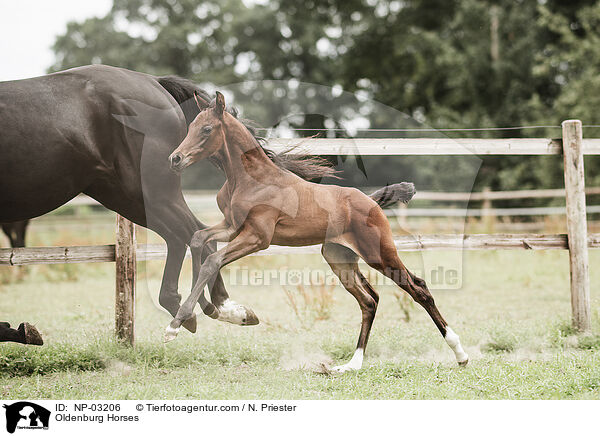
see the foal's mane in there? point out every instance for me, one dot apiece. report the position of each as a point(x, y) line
point(307, 166)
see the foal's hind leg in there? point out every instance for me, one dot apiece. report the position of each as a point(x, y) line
point(451, 338)
point(343, 262)
point(375, 244)
point(393, 268)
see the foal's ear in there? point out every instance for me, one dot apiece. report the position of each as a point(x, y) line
point(220, 104)
point(202, 104)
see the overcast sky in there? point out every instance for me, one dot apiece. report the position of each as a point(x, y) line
point(28, 29)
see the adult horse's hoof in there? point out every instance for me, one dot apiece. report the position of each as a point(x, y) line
point(190, 324)
point(170, 333)
point(32, 336)
point(235, 313)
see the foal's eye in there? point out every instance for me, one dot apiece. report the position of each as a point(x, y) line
point(206, 129)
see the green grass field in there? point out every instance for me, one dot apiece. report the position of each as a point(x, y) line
point(512, 315)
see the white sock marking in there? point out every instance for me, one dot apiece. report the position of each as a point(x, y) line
point(171, 333)
point(355, 363)
point(453, 342)
point(232, 312)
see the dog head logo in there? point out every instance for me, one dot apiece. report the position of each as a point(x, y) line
point(26, 415)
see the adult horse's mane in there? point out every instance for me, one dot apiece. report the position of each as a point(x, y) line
point(302, 164)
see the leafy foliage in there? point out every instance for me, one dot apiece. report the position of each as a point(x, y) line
point(446, 64)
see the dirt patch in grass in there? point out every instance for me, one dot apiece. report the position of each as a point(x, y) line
point(300, 358)
point(500, 343)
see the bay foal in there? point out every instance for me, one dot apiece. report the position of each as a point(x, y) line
point(264, 204)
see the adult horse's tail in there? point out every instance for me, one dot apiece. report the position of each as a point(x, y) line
point(392, 194)
point(304, 165)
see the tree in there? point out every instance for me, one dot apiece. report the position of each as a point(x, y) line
point(442, 63)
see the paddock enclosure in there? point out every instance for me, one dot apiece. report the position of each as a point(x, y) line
point(125, 252)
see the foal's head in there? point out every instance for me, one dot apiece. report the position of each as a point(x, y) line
point(205, 135)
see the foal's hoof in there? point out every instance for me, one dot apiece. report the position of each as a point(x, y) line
point(170, 333)
point(343, 369)
point(235, 313)
point(190, 324)
point(251, 318)
point(464, 362)
point(32, 336)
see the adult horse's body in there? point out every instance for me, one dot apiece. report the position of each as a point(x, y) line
point(64, 133)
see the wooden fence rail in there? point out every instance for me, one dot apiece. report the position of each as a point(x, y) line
point(572, 146)
point(144, 252)
point(430, 146)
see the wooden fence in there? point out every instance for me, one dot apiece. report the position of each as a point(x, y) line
point(573, 147)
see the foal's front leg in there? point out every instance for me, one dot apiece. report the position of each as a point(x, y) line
point(226, 310)
point(246, 242)
point(201, 249)
point(221, 232)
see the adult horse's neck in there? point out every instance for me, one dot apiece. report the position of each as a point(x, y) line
point(242, 158)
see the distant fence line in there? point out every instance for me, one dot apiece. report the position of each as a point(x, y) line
point(206, 200)
point(208, 196)
point(508, 211)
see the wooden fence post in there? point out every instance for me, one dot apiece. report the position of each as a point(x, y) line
point(125, 248)
point(576, 223)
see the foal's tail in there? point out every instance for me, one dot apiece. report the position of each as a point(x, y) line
point(392, 194)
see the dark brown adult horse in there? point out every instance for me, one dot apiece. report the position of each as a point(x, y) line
point(263, 204)
point(107, 132)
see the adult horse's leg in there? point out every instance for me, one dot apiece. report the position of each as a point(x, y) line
point(132, 208)
point(176, 224)
point(179, 220)
point(21, 231)
point(16, 235)
point(8, 334)
point(344, 263)
point(24, 334)
point(16, 232)
point(169, 296)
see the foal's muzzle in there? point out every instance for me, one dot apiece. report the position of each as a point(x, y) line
point(176, 160)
